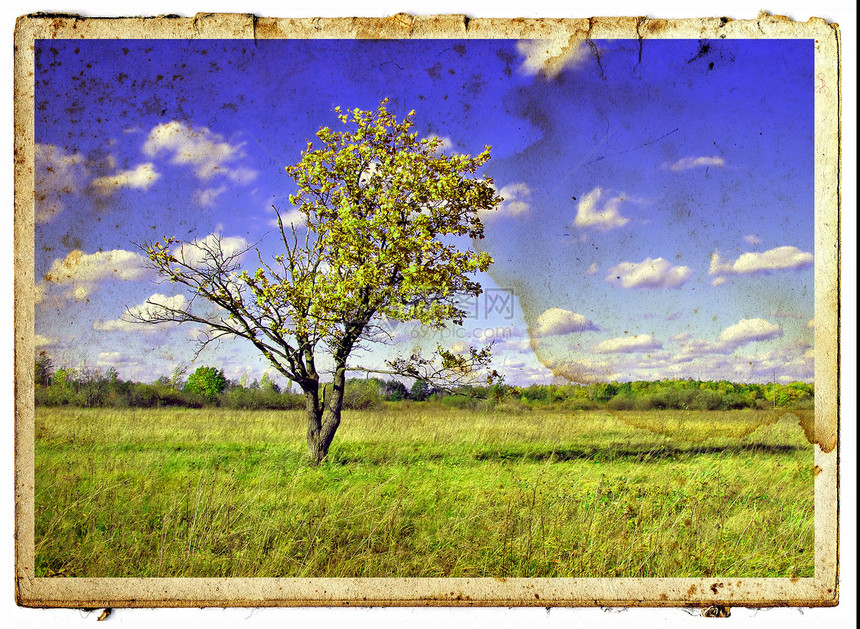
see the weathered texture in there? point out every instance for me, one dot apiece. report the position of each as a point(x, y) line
point(818, 591)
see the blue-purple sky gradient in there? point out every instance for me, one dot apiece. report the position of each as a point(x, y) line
point(659, 205)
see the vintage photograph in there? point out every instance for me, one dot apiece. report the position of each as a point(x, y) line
point(524, 305)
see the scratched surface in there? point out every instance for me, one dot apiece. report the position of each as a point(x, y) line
point(563, 39)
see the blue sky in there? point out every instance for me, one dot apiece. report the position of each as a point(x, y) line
point(659, 208)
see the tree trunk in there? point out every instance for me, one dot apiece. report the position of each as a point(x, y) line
point(324, 418)
point(316, 450)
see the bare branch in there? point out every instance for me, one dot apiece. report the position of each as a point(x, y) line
point(445, 370)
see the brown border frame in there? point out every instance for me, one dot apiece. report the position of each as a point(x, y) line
point(820, 590)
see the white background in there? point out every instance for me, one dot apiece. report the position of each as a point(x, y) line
point(842, 12)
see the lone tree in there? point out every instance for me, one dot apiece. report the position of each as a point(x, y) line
point(381, 209)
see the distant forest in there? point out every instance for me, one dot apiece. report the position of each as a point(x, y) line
point(208, 387)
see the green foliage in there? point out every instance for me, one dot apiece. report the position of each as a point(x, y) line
point(706, 400)
point(622, 403)
point(361, 394)
point(382, 205)
point(392, 391)
point(260, 398)
point(208, 382)
point(461, 402)
point(88, 387)
point(601, 392)
point(419, 391)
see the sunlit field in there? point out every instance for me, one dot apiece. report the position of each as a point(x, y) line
point(419, 490)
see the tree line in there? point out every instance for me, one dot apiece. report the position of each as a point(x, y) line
point(207, 386)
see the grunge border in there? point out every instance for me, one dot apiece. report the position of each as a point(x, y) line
point(820, 590)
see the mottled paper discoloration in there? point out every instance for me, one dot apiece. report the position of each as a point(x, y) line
point(562, 33)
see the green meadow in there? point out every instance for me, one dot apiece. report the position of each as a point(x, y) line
point(421, 490)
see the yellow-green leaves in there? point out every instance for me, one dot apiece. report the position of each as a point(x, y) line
point(382, 212)
point(381, 202)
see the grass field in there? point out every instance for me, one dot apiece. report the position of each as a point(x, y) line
point(418, 490)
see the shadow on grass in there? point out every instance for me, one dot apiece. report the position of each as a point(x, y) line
point(639, 455)
point(558, 455)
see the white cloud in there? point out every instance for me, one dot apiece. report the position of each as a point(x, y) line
point(204, 150)
point(593, 269)
point(795, 361)
point(81, 292)
point(92, 267)
point(516, 345)
point(240, 175)
point(293, 217)
point(778, 259)
point(208, 196)
point(140, 178)
point(514, 365)
point(44, 341)
point(741, 333)
point(549, 57)
point(649, 274)
point(606, 216)
point(195, 253)
point(57, 175)
point(116, 360)
point(153, 306)
point(748, 330)
point(516, 199)
point(628, 345)
point(516, 202)
point(83, 271)
point(460, 347)
point(558, 321)
point(688, 163)
point(753, 240)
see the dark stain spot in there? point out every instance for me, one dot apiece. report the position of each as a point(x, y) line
point(704, 49)
point(434, 71)
point(71, 242)
point(460, 49)
point(508, 58)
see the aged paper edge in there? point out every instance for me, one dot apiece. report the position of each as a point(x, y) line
point(820, 590)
